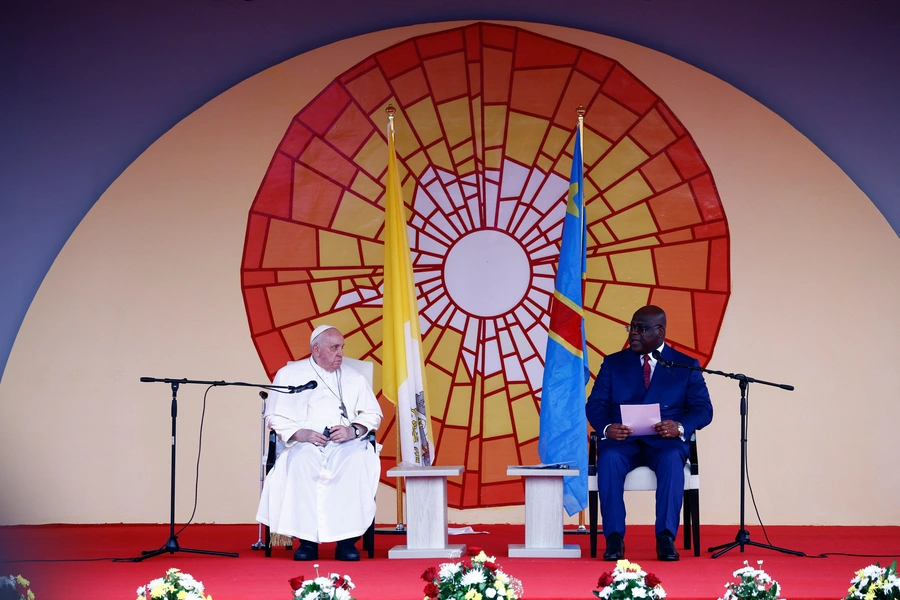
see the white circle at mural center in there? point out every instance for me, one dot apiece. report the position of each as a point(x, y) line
point(487, 273)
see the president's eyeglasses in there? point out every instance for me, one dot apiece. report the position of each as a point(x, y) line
point(640, 329)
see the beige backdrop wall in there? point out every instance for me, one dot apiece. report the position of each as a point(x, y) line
point(148, 285)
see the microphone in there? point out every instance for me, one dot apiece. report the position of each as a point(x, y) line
point(665, 363)
point(306, 386)
point(264, 395)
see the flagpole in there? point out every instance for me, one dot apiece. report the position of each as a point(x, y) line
point(580, 125)
point(390, 110)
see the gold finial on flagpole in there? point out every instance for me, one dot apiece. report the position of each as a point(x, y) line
point(390, 110)
point(580, 112)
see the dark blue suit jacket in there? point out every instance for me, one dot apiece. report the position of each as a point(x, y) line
point(681, 393)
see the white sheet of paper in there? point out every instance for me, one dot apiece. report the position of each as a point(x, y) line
point(640, 417)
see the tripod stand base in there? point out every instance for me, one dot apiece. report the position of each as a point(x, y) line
point(743, 539)
point(172, 547)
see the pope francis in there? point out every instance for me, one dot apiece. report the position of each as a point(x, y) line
point(322, 486)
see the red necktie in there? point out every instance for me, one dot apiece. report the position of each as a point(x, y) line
point(647, 370)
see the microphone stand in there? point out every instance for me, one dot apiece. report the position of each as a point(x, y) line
point(171, 546)
point(743, 536)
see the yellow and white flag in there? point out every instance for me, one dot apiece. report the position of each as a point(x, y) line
point(403, 374)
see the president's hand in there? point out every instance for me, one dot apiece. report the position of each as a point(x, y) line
point(667, 429)
point(618, 432)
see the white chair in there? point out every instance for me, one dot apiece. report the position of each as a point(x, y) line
point(272, 447)
point(644, 479)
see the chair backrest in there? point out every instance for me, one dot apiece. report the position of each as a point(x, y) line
point(366, 367)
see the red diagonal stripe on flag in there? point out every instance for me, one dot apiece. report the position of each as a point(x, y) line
point(566, 324)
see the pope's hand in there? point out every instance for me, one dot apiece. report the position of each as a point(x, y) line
point(310, 436)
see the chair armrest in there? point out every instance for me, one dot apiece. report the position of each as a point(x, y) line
point(270, 451)
point(592, 453)
point(695, 467)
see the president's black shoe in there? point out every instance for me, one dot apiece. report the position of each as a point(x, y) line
point(665, 548)
point(346, 550)
point(615, 548)
point(307, 551)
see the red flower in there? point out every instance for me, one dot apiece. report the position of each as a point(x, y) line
point(296, 583)
point(652, 580)
point(430, 574)
point(431, 590)
point(490, 565)
point(605, 580)
point(473, 550)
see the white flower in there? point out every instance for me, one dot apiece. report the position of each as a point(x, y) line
point(473, 577)
point(448, 570)
point(193, 595)
point(140, 590)
point(639, 592)
point(873, 571)
point(189, 583)
point(341, 594)
point(490, 592)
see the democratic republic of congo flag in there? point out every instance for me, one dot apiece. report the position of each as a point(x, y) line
point(563, 437)
point(403, 374)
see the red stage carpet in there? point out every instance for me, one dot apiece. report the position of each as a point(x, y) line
point(252, 576)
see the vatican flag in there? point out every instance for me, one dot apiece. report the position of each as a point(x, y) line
point(403, 373)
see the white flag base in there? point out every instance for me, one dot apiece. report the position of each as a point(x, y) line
point(426, 512)
point(451, 551)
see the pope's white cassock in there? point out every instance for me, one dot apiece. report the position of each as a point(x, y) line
point(321, 494)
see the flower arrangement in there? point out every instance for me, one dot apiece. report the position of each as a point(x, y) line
point(628, 581)
point(477, 577)
point(875, 583)
point(15, 587)
point(174, 586)
point(333, 587)
point(754, 584)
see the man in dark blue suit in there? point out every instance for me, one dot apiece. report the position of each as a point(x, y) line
point(632, 376)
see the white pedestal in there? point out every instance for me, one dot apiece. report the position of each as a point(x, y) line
point(543, 514)
point(426, 512)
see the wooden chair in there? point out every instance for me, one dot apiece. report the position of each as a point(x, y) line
point(644, 479)
point(274, 447)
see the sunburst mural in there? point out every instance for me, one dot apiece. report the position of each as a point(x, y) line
point(485, 125)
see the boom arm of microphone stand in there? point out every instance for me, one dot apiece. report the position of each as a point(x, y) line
point(288, 389)
point(737, 376)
